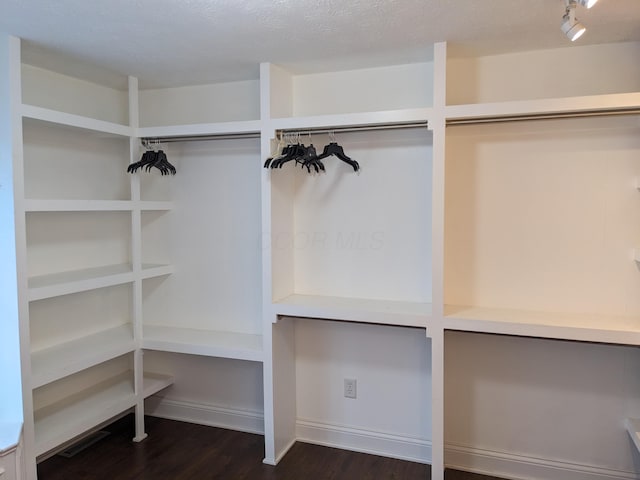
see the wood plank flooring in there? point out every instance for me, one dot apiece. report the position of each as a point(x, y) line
point(183, 451)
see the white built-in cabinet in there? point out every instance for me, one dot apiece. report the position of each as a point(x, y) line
point(497, 195)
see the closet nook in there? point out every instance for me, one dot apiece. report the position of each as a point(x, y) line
point(489, 198)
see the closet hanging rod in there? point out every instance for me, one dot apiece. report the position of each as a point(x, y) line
point(353, 128)
point(544, 116)
point(200, 138)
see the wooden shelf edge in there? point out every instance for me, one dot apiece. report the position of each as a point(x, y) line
point(80, 354)
point(201, 129)
point(235, 346)
point(407, 314)
point(572, 327)
point(38, 205)
point(110, 406)
point(76, 281)
point(77, 121)
point(618, 102)
point(360, 119)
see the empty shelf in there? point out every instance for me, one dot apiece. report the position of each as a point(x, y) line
point(56, 362)
point(210, 343)
point(45, 205)
point(567, 326)
point(65, 420)
point(386, 312)
point(63, 283)
point(150, 270)
point(75, 121)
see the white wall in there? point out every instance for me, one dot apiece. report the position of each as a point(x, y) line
point(392, 366)
point(549, 401)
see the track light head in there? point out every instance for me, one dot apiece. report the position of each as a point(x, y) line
point(587, 3)
point(571, 27)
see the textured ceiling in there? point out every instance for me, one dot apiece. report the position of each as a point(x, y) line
point(188, 42)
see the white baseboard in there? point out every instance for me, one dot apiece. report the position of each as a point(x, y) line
point(203, 414)
point(520, 467)
point(459, 457)
point(365, 441)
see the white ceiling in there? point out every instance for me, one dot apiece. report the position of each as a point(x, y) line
point(189, 42)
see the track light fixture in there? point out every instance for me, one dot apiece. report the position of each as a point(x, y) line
point(587, 3)
point(571, 27)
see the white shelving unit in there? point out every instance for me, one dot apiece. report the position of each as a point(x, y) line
point(489, 201)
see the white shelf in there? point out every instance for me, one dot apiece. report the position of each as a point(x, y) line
point(150, 270)
point(65, 420)
point(210, 343)
point(56, 362)
point(64, 283)
point(149, 205)
point(75, 121)
point(552, 106)
point(34, 205)
point(201, 129)
point(355, 119)
point(45, 205)
point(412, 314)
point(566, 326)
point(633, 427)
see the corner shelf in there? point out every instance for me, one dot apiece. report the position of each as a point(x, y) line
point(411, 314)
point(239, 346)
point(65, 420)
point(563, 326)
point(56, 362)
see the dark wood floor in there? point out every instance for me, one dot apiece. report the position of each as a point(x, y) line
point(183, 451)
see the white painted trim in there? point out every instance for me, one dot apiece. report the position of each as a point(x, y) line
point(203, 414)
point(364, 441)
point(521, 467)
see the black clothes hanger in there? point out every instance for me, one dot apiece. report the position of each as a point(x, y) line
point(336, 150)
point(152, 159)
point(307, 156)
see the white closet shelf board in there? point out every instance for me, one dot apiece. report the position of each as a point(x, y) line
point(75, 121)
point(238, 346)
point(37, 205)
point(151, 270)
point(633, 427)
point(409, 314)
point(595, 104)
point(45, 205)
point(64, 283)
point(9, 436)
point(201, 129)
point(365, 119)
point(564, 326)
point(63, 421)
point(148, 205)
point(54, 363)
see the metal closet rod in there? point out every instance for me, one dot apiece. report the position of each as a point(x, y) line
point(544, 116)
point(353, 128)
point(200, 138)
point(279, 133)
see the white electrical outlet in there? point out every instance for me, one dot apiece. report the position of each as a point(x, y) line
point(350, 388)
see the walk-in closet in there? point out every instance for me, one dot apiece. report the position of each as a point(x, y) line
point(466, 297)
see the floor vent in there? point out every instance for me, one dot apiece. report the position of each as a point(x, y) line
point(83, 444)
